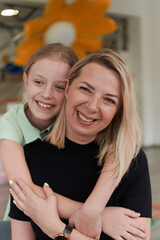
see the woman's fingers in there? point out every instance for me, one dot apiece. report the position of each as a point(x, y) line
point(16, 191)
point(22, 195)
point(18, 200)
point(48, 191)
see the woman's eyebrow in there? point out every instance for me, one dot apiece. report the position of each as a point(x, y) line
point(112, 95)
point(90, 86)
point(107, 94)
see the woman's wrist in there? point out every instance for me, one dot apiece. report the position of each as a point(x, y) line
point(65, 234)
point(76, 235)
point(58, 228)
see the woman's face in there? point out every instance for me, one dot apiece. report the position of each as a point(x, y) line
point(45, 84)
point(93, 99)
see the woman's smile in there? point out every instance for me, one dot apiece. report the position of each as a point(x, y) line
point(84, 120)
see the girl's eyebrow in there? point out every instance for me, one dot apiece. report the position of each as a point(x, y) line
point(107, 94)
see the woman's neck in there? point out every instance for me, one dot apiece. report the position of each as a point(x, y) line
point(80, 139)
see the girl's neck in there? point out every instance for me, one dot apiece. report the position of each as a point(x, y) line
point(37, 123)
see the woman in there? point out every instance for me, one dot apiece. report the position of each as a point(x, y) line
point(98, 118)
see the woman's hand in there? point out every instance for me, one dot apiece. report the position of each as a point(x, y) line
point(121, 223)
point(86, 222)
point(42, 211)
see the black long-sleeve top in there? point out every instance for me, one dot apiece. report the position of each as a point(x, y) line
point(73, 172)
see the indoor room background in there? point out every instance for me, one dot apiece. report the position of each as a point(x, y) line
point(137, 39)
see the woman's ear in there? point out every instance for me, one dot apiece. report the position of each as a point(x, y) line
point(67, 87)
point(25, 79)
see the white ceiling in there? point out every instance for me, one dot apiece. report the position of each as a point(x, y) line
point(11, 27)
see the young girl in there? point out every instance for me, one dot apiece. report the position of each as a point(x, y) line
point(44, 80)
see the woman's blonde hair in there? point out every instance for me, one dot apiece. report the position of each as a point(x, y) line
point(53, 51)
point(123, 135)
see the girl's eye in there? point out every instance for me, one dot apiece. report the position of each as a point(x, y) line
point(60, 87)
point(38, 82)
point(85, 89)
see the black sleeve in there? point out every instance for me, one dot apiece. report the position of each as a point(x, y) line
point(138, 193)
point(15, 213)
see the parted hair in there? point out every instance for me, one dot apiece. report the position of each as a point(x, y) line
point(123, 135)
point(53, 51)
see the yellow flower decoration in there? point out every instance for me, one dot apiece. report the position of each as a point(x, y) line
point(78, 25)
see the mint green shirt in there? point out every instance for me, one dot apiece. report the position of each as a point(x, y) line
point(15, 126)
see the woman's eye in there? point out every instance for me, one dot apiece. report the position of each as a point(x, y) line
point(85, 89)
point(109, 100)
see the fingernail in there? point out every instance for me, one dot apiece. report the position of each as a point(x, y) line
point(16, 180)
point(46, 184)
point(10, 182)
point(14, 202)
point(10, 190)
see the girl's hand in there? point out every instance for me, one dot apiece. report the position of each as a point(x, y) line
point(86, 222)
point(121, 223)
point(42, 211)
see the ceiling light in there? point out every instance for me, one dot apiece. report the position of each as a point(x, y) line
point(9, 12)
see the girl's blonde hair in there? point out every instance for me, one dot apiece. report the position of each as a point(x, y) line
point(53, 51)
point(123, 135)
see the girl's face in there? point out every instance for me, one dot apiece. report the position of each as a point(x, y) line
point(45, 84)
point(93, 99)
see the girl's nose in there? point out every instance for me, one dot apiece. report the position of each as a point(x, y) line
point(48, 92)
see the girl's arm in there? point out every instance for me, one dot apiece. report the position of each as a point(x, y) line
point(22, 230)
point(13, 160)
point(127, 224)
point(45, 215)
point(15, 166)
point(39, 209)
point(14, 163)
point(88, 218)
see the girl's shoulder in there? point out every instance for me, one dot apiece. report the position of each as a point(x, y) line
point(13, 112)
point(10, 125)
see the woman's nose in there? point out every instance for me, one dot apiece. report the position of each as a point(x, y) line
point(92, 104)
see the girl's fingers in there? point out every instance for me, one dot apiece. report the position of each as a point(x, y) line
point(128, 236)
point(136, 232)
point(130, 213)
point(136, 225)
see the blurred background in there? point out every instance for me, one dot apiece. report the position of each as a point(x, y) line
point(134, 33)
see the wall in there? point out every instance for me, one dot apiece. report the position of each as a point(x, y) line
point(143, 58)
point(155, 45)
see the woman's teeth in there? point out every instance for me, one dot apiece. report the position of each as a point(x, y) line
point(85, 119)
point(44, 105)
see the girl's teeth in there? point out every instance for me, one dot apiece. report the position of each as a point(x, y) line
point(84, 119)
point(44, 105)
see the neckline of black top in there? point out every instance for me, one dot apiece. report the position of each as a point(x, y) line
point(91, 147)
